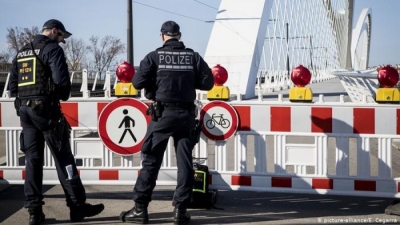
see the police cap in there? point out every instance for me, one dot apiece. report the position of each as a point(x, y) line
point(170, 28)
point(50, 24)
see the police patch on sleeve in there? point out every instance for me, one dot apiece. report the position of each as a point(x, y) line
point(174, 60)
point(26, 71)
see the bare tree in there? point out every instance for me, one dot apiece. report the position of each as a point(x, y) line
point(18, 37)
point(105, 51)
point(75, 50)
point(5, 57)
point(5, 61)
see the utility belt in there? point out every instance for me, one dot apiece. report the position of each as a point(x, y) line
point(156, 108)
point(38, 104)
point(177, 105)
point(31, 103)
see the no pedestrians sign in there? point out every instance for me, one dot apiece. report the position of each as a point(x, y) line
point(123, 124)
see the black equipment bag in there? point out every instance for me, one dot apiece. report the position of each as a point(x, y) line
point(202, 195)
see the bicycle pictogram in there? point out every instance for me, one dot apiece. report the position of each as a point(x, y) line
point(224, 123)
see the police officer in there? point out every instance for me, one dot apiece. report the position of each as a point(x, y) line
point(40, 79)
point(169, 75)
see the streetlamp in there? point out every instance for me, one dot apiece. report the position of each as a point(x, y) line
point(130, 33)
point(287, 45)
point(311, 48)
point(311, 53)
point(287, 50)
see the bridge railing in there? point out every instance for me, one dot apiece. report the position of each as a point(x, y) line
point(267, 81)
point(361, 86)
point(277, 80)
point(83, 79)
point(4, 79)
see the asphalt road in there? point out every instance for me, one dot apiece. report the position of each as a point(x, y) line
point(239, 207)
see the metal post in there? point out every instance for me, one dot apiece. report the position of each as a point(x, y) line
point(311, 53)
point(287, 49)
point(326, 57)
point(130, 34)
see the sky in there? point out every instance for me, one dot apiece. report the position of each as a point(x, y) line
point(86, 18)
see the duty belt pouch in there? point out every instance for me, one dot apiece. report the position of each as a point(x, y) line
point(21, 142)
point(154, 110)
point(157, 109)
point(38, 106)
point(17, 104)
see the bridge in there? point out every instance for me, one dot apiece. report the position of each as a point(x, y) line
point(342, 143)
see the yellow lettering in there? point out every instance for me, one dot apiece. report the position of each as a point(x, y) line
point(24, 64)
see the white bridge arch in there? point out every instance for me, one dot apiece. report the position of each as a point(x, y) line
point(361, 41)
point(268, 38)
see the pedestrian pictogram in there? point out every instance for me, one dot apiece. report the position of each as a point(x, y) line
point(220, 120)
point(123, 124)
point(127, 122)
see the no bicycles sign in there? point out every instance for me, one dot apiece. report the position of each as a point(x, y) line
point(220, 120)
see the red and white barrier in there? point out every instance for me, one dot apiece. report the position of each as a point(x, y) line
point(259, 120)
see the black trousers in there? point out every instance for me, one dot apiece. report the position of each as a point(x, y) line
point(177, 123)
point(37, 130)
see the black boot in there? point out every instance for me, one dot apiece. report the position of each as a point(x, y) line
point(138, 214)
point(36, 216)
point(78, 212)
point(181, 217)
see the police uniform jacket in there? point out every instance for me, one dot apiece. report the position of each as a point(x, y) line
point(173, 72)
point(51, 57)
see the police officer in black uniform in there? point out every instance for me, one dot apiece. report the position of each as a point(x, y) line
point(169, 75)
point(40, 79)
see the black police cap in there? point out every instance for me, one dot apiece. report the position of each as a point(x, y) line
point(50, 24)
point(170, 28)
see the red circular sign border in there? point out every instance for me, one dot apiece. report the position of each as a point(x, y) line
point(231, 110)
point(105, 113)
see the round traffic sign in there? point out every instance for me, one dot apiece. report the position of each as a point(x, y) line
point(123, 124)
point(220, 120)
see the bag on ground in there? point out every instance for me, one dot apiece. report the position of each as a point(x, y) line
point(202, 196)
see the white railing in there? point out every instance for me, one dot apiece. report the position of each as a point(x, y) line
point(277, 80)
point(273, 81)
point(5, 92)
point(360, 85)
point(82, 78)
